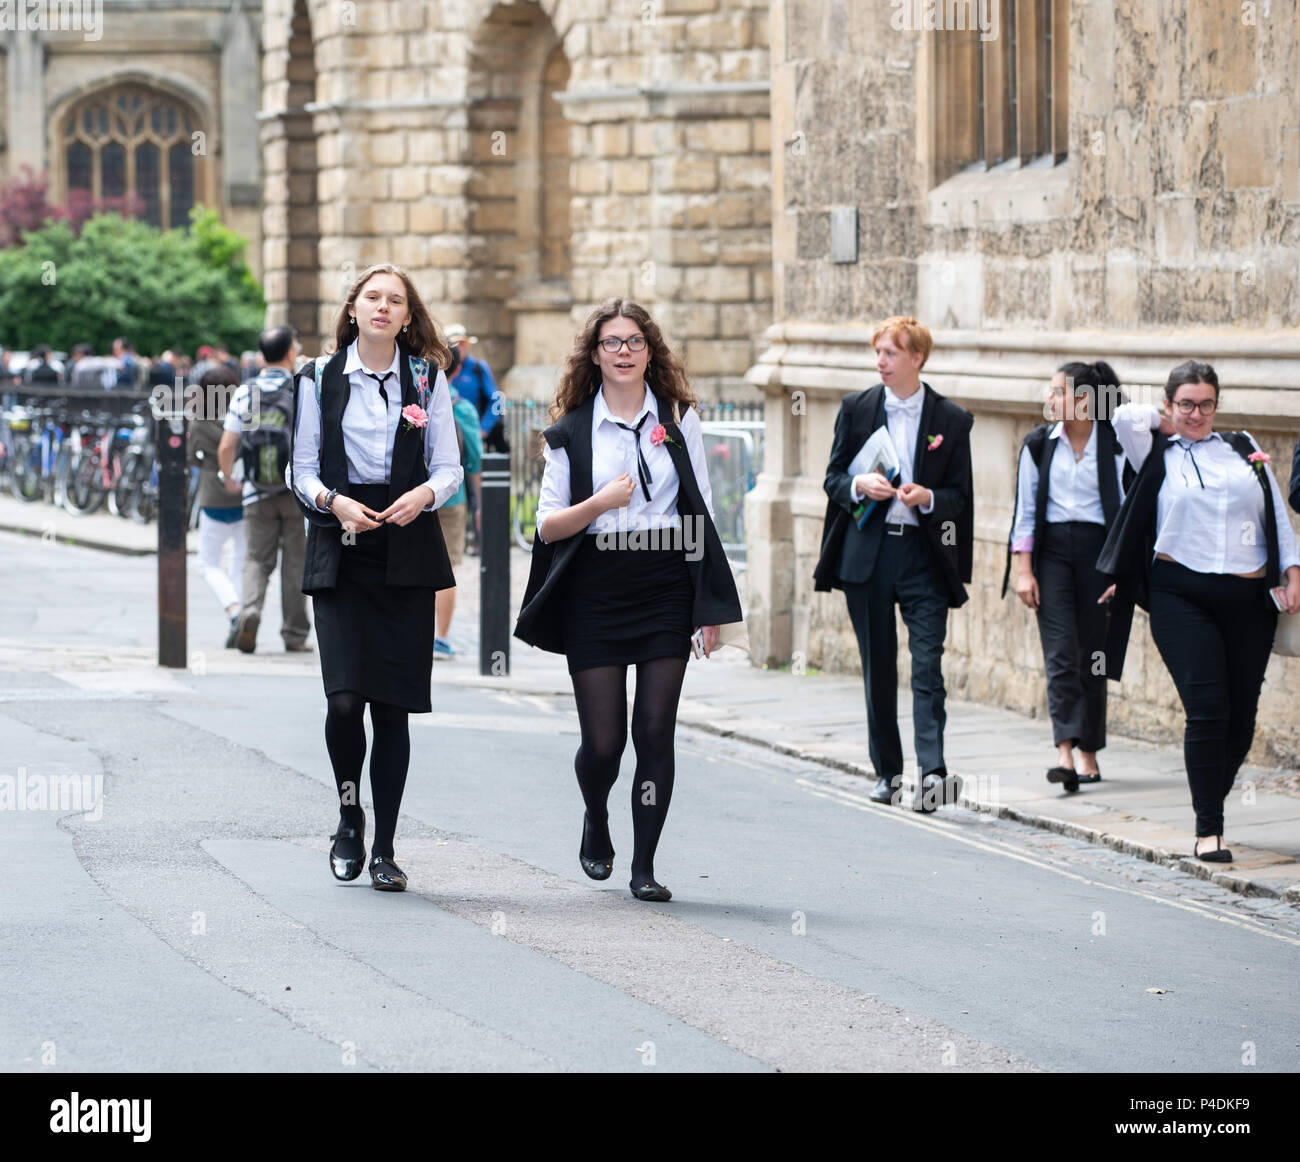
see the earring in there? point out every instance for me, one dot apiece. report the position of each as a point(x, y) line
point(352, 320)
point(403, 328)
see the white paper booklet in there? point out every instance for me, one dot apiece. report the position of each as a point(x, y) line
point(877, 455)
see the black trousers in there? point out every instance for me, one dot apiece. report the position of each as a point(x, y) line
point(1072, 628)
point(902, 576)
point(1214, 632)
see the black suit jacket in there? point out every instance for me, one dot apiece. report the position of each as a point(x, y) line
point(947, 531)
point(1295, 478)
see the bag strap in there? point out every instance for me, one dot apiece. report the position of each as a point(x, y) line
point(318, 368)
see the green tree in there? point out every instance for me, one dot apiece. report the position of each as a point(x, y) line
point(160, 288)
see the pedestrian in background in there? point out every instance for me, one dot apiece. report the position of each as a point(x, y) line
point(452, 515)
point(41, 368)
point(1202, 542)
point(221, 506)
point(473, 380)
point(619, 458)
point(374, 455)
point(258, 432)
point(128, 373)
point(1069, 487)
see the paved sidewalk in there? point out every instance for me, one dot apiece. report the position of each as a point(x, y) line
point(100, 530)
point(1142, 807)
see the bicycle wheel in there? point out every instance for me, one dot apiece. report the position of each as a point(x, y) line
point(25, 481)
point(83, 489)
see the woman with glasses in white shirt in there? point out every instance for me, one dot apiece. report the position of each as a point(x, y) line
point(625, 565)
point(1204, 543)
point(1069, 487)
point(375, 453)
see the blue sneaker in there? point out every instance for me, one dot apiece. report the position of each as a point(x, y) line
point(442, 648)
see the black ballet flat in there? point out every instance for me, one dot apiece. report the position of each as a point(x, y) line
point(1220, 854)
point(1064, 776)
point(655, 893)
point(596, 869)
point(348, 869)
point(385, 875)
point(1095, 777)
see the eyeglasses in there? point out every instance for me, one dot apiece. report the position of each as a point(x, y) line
point(1187, 406)
point(614, 346)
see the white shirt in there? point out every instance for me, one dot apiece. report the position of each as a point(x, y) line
point(369, 428)
point(902, 418)
point(613, 452)
point(1218, 528)
point(1073, 493)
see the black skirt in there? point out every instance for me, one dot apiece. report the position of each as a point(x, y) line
point(625, 605)
point(375, 639)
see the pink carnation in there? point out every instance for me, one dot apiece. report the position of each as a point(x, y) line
point(415, 415)
point(1258, 457)
point(935, 441)
point(657, 435)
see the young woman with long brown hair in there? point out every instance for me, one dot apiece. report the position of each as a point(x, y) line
point(626, 564)
point(375, 453)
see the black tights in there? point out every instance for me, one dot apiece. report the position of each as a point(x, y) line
point(390, 754)
point(601, 695)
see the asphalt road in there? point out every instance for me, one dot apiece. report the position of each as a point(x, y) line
point(186, 919)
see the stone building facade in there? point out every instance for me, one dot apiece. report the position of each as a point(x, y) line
point(151, 98)
point(1156, 218)
point(525, 159)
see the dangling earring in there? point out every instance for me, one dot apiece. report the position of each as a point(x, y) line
point(403, 327)
point(352, 320)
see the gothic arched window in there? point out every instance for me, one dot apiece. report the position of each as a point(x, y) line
point(136, 144)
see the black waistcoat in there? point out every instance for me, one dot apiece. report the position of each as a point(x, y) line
point(417, 554)
point(541, 616)
point(1131, 545)
point(1041, 450)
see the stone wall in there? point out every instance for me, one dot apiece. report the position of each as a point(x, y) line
point(435, 132)
point(1171, 231)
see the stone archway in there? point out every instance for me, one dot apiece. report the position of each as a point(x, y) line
point(290, 198)
point(518, 197)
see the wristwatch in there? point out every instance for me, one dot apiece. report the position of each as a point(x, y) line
point(329, 498)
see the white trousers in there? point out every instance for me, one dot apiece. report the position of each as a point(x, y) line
point(215, 538)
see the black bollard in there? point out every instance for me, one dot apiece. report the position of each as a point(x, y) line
point(494, 567)
point(173, 520)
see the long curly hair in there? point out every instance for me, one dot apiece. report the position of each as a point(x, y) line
point(422, 336)
point(581, 379)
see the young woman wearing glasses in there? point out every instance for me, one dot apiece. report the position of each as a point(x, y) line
point(1204, 544)
point(625, 565)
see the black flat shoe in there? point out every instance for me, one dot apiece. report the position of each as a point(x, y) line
point(1095, 777)
point(385, 875)
point(1220, 854)
point(883, 791)
point(656, 893)
point(596, 869)
point(1066, 777)
point(348, 868)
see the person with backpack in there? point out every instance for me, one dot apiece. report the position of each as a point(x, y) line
point(258, 432)
point(452, 514)
point(472, 378)
point(1203, 544)
point(1069, 486)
